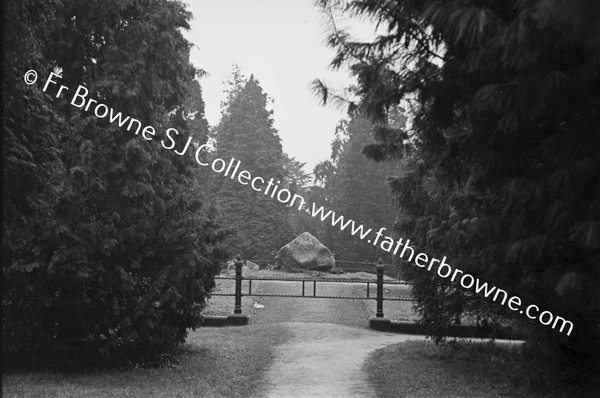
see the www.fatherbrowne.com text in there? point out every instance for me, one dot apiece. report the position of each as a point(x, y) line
point(232, 169)
point(401, 247)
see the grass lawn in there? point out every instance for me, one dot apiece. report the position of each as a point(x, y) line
point(422, 369)
point(214, 362)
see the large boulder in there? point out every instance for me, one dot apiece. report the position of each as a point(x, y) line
point(307, 253)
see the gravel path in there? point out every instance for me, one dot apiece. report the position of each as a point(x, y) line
point(329, 338)
point(329, 342)
point(325, 360)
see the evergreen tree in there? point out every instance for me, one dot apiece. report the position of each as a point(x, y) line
point(295, 177)
point(360, 192)
point(246, 133)
point(297, 181)
point(501, 168)
point(356, 188)
point(321, 193)
point(106, 246)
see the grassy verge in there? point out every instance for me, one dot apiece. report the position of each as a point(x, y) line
point(422, 369)
point(214, 362)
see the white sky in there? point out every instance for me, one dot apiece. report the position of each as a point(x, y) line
point(281, 42)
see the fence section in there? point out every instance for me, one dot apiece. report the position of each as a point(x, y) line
point(309, 290)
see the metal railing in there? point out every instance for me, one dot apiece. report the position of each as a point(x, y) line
point(379, 282)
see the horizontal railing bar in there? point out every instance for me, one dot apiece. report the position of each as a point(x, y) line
point(373, 263)
point(331, 297)
point(314, 280)
point(300, 296)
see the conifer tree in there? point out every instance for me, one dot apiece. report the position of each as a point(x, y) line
point(107, 247)
point(360, 192)
point(246, 133)
point(355, 187)
point(501, 165)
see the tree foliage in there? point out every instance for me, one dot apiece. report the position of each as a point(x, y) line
point(500, 169)
point(246, 133)
point(107, 245)
point(355, 187)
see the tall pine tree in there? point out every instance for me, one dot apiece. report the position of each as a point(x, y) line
point(246, 132)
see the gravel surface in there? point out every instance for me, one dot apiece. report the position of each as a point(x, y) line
point(325, 360)
point(328, 340)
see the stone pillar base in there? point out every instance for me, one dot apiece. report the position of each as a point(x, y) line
point(381, 323)
point(237, 319)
